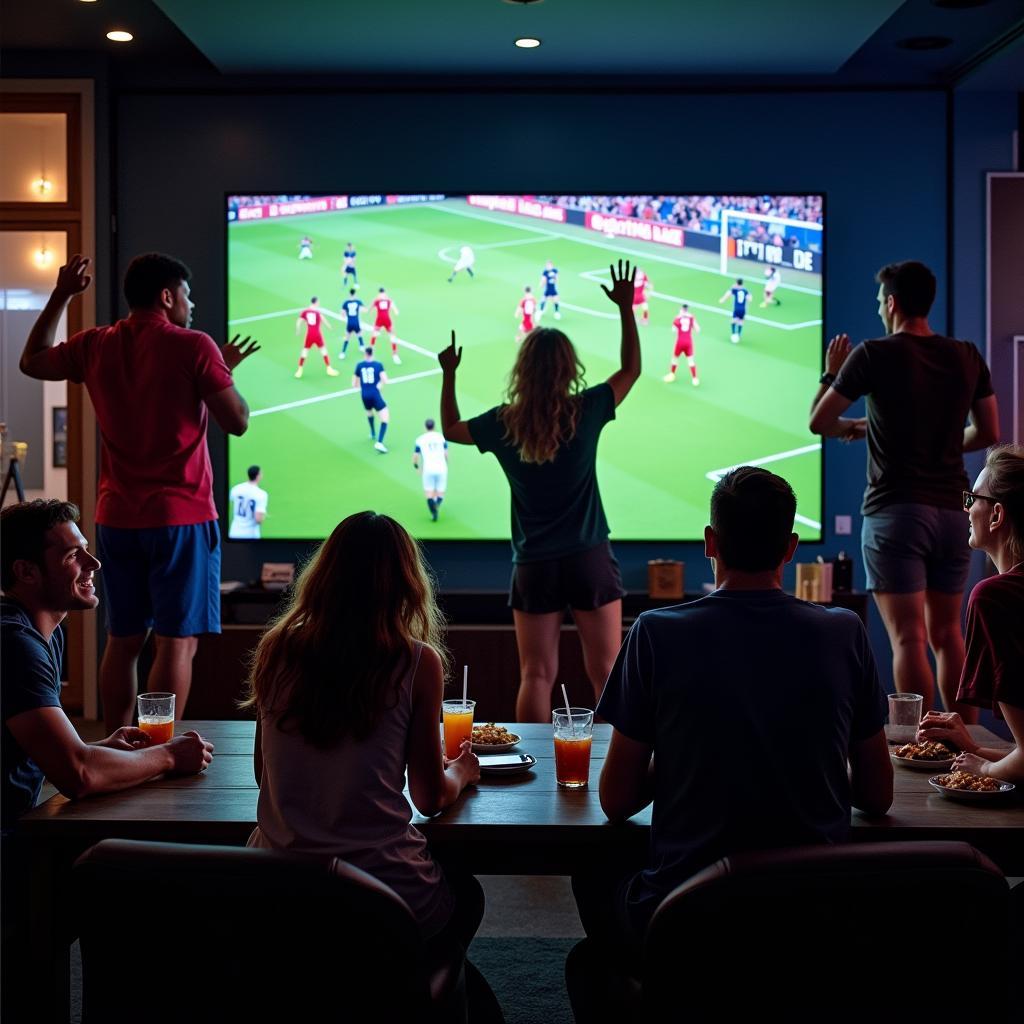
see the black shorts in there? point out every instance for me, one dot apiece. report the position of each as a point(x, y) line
point(374, 402)
point(584, 581)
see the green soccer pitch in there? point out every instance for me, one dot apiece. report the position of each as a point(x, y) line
point(657, 460)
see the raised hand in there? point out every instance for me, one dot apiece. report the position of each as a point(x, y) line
point(838, 350)
point(191, 753)
point(450, 357)
point(235, 351)
point(72, 278)
point(623, 279)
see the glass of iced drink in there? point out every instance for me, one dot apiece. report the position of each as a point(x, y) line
point(573, 731)
point(457, 716)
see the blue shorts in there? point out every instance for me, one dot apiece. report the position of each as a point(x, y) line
point(166, 578)
point(739, 314)
point(354, 327)
point(909, 548)
point(373, 400)
point(550, 293)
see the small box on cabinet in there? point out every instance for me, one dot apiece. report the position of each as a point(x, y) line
point(665, 578)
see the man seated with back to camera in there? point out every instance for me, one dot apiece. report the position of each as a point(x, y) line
point(721, 701)
point(46, 572)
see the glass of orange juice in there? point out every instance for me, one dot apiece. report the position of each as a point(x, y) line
point(457, 716)
point(573, 730)
point(156, 716)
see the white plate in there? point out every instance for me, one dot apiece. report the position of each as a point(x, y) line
point(969, 796)
point(917, 764)
point(512, 769)
point(497, 748)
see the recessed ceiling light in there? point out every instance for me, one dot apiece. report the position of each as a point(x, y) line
point(924, 43)
point(119, 35)
point(527, 43)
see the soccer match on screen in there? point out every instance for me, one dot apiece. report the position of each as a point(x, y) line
point(352, 297)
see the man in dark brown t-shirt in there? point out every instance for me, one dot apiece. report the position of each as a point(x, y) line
point(921, 389)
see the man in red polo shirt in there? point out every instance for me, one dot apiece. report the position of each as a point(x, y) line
point(153, 383)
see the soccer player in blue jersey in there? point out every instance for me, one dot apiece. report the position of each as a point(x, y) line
point(549, 284)
point(351, 307)
point(348, 266)
point(740, 295)
point(369, 376)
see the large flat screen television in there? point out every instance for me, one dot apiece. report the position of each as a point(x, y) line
point(463, 263)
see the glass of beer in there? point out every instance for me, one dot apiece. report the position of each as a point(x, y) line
point(573, 734)
point(457, 716)
point(156, 715)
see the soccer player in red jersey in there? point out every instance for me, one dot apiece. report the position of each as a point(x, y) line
point(385, 309)
point(525, 312)
point(685, 326)
point(640, 288)
point(313, 319)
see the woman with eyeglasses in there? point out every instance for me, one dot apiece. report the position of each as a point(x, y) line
point(993, 675)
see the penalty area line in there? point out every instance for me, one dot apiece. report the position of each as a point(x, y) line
point(714, 475)
point(340, 394)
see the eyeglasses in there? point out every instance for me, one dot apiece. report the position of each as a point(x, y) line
point(970, 498)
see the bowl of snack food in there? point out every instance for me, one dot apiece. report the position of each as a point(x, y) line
point(926, 756)
point(493, 739)
point(970, 788)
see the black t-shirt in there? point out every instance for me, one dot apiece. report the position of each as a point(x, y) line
point(750, 701)
point(30, 680)
point(920, 390)
point(556, 506)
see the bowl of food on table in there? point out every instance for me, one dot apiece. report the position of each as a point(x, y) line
point(926, 756)
point(490, 738)
point(970, 788)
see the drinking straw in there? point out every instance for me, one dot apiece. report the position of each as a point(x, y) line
point(465, 683)
point(568, 711)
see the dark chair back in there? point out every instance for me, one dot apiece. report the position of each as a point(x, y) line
point(175, 932)
point(868, 931)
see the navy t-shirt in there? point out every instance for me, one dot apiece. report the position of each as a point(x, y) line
point(750, 701)
point(556, 506)
point(369, 372)
point(30, 680)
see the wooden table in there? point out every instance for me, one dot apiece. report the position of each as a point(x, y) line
point(509, 825)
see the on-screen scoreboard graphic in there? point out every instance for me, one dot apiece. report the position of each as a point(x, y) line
point(671, 439)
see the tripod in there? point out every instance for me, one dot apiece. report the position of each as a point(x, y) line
point(12, 475)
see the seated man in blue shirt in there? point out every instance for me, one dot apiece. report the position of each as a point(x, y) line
point(46, 571)
point(751, 719)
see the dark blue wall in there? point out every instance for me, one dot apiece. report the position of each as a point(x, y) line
point(886, 191)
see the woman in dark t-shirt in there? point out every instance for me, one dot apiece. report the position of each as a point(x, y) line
point(993, 673)
point(545, 438)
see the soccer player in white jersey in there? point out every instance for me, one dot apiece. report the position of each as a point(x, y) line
point(465, 262)
point(772, 280)
point(248, 507)
point(431, 455)
point(306, 248)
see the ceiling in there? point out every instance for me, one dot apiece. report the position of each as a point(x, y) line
point(733, 43)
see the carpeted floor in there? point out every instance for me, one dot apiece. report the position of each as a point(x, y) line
point(527, 976)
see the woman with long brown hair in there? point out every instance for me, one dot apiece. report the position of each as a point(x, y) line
point(545, 438)
point(346, 685)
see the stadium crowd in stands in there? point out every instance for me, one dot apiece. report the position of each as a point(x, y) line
point(701, 213)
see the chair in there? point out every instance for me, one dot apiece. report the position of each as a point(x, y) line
point(175, 932)
point(854, 932)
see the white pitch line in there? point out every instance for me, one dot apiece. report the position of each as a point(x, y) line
point(714, 475)
point(341, 394)
point(334, 316)
point(494, 245)
point(622, 250)
point(596, 275)
point(591, 312)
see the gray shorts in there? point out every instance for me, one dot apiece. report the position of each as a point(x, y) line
point(910, 548)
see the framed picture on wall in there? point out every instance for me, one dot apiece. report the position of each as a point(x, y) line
point(60, 437)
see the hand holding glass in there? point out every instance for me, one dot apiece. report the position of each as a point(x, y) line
point(904, 716)
point(457, 716)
